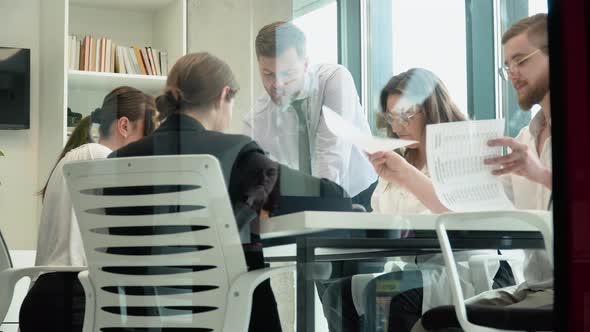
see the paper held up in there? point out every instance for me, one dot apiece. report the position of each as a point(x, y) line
point(351, 134)
point(455, 154)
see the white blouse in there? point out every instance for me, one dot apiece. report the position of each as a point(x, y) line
point(59, 242)
point(389, 198)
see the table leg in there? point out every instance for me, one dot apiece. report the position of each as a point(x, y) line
point(305, 286)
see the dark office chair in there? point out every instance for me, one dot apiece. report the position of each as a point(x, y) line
point(503, 318)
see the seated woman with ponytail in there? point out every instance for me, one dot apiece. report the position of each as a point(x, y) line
point(55, 302)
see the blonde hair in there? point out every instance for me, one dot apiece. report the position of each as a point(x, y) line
point(536, 29)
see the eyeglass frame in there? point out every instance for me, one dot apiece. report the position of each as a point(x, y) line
point(403, 120)
point(507, 70)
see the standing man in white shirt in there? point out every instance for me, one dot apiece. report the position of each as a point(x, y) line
point(287, 120)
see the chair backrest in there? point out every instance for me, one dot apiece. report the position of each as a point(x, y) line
point(6, 289)
point(160, 238)
point(5, 261)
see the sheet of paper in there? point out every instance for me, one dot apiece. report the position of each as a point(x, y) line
point(455, 154)
point(351, 134)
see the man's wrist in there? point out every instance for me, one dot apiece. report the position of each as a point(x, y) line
point(543, 176)
point(547, 178)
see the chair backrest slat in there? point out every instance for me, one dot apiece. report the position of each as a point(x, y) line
point(5, 261)
point(160, 239)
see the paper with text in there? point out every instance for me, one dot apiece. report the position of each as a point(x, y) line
point(350, 134)
point(455, 156)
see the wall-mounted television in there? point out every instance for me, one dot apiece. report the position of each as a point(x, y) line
point(15, 82)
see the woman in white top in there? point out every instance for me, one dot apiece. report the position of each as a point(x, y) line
point(409, 102)
point(125, 116)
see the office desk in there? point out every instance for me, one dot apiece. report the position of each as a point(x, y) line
point(365, 235)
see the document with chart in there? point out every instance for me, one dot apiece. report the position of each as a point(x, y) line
point(455, 154)
point(352, 135)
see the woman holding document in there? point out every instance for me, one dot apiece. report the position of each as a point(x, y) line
point(396, 300)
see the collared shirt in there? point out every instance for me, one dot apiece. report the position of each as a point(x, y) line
point(275, 128)
point(526, 194)
point(59, 242)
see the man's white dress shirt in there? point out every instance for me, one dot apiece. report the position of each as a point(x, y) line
point(275, 128)
point(526, 194)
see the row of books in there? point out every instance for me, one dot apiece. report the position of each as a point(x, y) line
point(104, 55)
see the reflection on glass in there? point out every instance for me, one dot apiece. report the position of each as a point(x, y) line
point(320, 26)
point(512, 11)
point(422, 37)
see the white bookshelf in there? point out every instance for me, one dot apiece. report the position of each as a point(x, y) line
point(93, 81)
point(160, 24)
point(156, 23)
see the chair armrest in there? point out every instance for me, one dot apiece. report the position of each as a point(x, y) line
point(9, 278)
point(239, 296)
point(471, 219)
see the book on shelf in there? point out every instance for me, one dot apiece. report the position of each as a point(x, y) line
point(105, 55)
point(128, 66)
point(151, 57)
point(119, 61)
point(137, 54)
point(146, 61)
point(77, 55)
point(164, 63)
point(136, 61)
point(92, 54)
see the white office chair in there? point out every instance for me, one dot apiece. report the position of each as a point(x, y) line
point(9, 276)
point(168, 253)
point(539, 220)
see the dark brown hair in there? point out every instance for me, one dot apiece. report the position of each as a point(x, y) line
point(536, 29)
point(123, 101)
point(275, 38)
point(195, 81)
point(423, 88)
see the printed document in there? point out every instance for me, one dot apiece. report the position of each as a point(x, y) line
point(350, 134)
point(455, 156)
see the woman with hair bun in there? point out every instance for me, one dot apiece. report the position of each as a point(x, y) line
point(125, 116)
point(196, 108)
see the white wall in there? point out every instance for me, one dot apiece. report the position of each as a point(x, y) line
point(227, 28)
point(19, 27)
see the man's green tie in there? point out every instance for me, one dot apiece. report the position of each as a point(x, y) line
point(304, 154)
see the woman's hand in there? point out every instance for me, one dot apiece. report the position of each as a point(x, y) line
point(394, 168)
point(391, 167)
